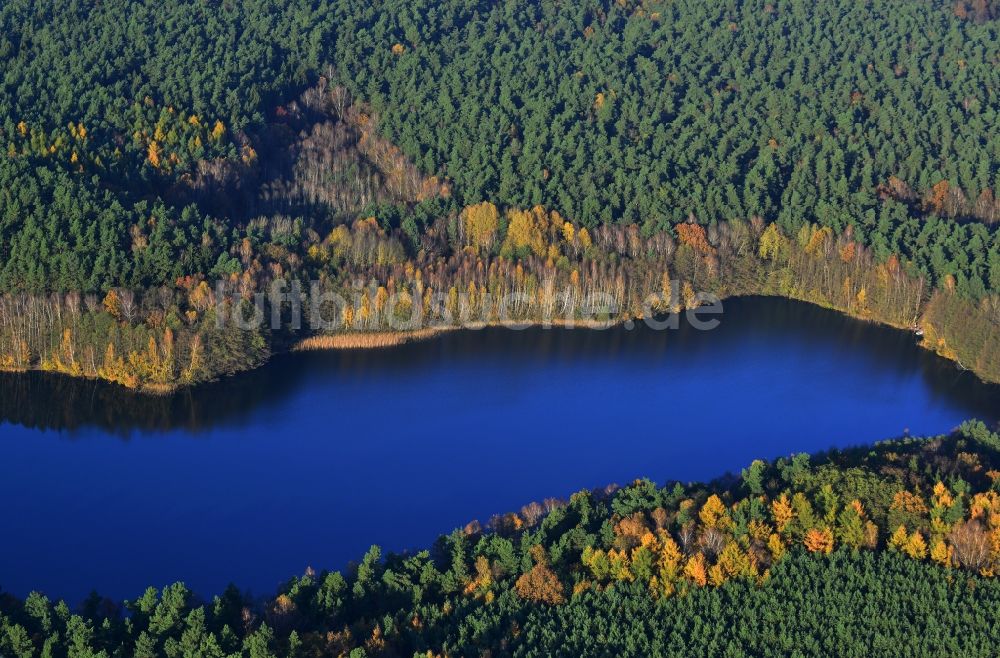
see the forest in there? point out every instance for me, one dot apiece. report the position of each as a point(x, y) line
point(891, 549)
point(446, 163)
point(432, 154)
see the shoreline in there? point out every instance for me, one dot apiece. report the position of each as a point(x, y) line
point(387, 339)
point(374, 340)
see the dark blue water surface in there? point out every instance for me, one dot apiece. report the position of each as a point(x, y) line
point(310, 460)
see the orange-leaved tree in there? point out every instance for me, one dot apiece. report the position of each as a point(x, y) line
point(540, 584)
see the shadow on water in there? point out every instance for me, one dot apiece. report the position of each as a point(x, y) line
point(54, 402)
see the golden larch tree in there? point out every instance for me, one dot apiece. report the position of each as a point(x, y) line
point(696, 571)
point(781, 512)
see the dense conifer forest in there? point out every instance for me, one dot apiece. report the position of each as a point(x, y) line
point(439, 163)
point(885, 550)
point(427, 155)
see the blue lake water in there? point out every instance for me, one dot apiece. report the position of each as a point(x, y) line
point(310, 460)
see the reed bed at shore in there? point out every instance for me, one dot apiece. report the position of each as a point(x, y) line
point(366, 340)
point(377, 339)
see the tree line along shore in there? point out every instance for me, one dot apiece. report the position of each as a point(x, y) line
point(479, 266)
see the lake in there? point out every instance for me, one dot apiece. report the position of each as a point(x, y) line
point(313, 458)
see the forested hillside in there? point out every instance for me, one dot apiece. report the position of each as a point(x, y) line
point(890, 550)
point(152, 149)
